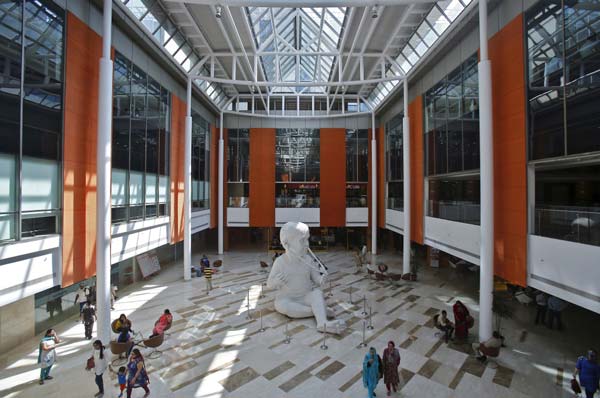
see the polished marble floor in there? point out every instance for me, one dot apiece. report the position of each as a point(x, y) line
point(215, 348)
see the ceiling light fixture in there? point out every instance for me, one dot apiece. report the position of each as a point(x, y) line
point(374, 11)
point(219, 12)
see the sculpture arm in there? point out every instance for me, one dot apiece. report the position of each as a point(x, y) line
point(276, 277)
point(317, 278)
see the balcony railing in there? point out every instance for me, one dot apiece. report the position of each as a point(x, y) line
point(465, 212)
point(575, 225)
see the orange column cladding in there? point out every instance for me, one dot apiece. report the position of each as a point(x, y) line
point(178, 111)
point(415, 113)
point(262, 177)
point(333, 177)
point(506, 51)
point(83, 51)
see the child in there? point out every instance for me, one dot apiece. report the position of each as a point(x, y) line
point(208, 272)
point(122, 376)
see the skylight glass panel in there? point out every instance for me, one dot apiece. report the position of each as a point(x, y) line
point(438, 20)
point(451, 8)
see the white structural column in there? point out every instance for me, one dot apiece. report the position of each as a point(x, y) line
point(220, 221)
point(373, 186)
point(187, 190)
point(486, 156)
point(103, 171)
point(406, 183)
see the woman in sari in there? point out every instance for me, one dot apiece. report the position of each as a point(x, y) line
point(47, 354)
point(162, 324)
point(371, 370)
point(462, 320)
point(391, 361)
point(136, 373)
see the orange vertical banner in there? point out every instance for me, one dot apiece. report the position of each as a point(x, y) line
point(262, 177)
point(333, 177)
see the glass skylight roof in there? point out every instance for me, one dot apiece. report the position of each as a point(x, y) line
point(425, 36)
point(288, 30)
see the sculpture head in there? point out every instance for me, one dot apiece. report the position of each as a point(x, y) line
point(294, 238)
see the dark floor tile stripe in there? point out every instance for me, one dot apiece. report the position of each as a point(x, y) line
point(433, 349)
point(350, 382)
point(203, 375)
point(238, 379)
point(456, 380)
point(301, 377)
point(278, 370)
point(503, 376)
point(330, 370)
point(429, 368)
point(559, 376)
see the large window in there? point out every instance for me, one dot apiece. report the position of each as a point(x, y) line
point(567, 204)
point(200, 163)
point(297, 168)
point(452, 122)
point(31, 90)
point(140, 158)
point(238, 167)
point(563, 47)
point(455, 199)
point(394, 163)
point(357, 167)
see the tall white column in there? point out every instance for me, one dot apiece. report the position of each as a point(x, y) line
point(373, 186)
point(220, 220)
point(406, 183)
point(187, 201)
point(486, 156)
point(103, 171)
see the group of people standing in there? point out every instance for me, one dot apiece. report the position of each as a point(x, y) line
point(376, 368)
point(549, 310)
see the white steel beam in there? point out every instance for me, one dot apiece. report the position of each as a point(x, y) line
point(304, 3)
point(406, 182)
point(299, 84)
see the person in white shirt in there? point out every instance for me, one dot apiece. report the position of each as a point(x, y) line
point(100, 366)
point(81, 298)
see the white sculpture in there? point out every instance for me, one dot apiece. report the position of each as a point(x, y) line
point(298, 280)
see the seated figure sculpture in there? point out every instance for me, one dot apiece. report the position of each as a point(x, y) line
point(298, 281)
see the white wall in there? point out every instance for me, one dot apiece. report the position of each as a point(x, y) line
point(309, 216)
point(565, 269)
point(238, 217)
point(357, 216)
point(131, 239)
point(394, 220)
point(459, 239)
point(29, 266)
point(200, 220)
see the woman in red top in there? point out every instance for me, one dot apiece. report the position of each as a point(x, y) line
point(462, 320)
point(391, 361)
point(163, 323)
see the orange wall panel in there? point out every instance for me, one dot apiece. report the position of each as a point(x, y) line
point(262, 177)
point(415, 113)
point(333, 177)
point(178, 111)
point(83, 51)
point(506, 51)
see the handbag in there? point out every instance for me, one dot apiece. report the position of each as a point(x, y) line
point(575, 386)
point(90, 364)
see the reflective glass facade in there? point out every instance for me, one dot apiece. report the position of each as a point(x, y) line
point(357, 167)
point(454, 199)
point(297, 167)
point(451, 122)
point(394, 172)
point(140, 144)
point(238, 167)
point(200, 163)
point(563, 69)
point(31, 120)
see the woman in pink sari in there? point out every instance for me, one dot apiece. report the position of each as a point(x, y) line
point(462, 320)
point(163, 323)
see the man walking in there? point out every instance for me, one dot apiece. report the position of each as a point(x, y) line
point(89, 316)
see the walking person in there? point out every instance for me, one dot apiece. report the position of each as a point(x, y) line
point(89, 316)
point(47, 354)
point(589, 373)
point(81, 298)
point(372, 368)
point(208, 273)
point(391, 361)
point(541, 303)
point(555, 309)
point(100, 366)
point(136, 373)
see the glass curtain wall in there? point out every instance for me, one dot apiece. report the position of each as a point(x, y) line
point(563, 49)
point(297, 167)
point(141, 136)
point(452, 145)
point(357, 167)
point(200, 163)
point(394, 163)
point(238, 167)
point(31, 118)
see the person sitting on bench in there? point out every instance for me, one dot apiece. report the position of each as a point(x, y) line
point(488, 348)
point(445, 325)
